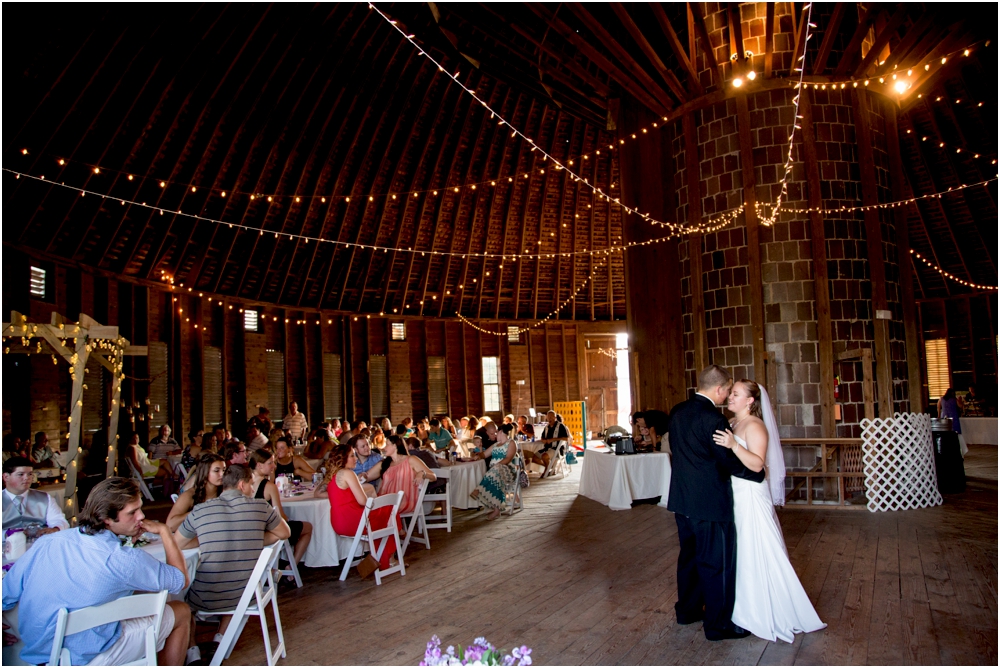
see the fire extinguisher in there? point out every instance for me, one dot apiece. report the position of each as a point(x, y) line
point(836, 387)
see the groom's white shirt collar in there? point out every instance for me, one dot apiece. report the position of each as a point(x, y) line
point(701, 394)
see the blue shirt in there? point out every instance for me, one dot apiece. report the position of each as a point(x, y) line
point(72, 570)
point(365, 466)
point(441, 440)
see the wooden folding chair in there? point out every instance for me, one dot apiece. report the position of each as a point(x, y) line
point(127, 607)
point(416, 520)
point(366, 533)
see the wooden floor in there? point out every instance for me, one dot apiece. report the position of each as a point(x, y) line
point(582, 584)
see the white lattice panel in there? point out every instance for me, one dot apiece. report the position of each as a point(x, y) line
point(898, 457)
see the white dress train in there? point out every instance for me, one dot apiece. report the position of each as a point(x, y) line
point(770, 600)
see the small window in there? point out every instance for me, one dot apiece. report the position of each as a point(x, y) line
point(399, 331)
point(513, 334)
point(38, 285)
point(938, 373)
point(251, 321)
point(491, 384)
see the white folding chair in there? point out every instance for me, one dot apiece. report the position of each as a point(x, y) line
point(181, 472)
point(128, 607)
point(173, 497)
point(260, 591)
point(365, 532)
point(142, 482)
point(443, 521)
point(293, 567)
point(416, 520)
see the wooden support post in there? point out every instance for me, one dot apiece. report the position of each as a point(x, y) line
point(548, 364)
point(76, 420)
point(692, 173)
point(562, 342)
point(821, 289)
point(898, 177)
point(867, 386)
point(117, 375)
point(753, 237)
point(873, 236)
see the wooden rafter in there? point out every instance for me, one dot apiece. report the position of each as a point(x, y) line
point(901, 50)
point(713, 64)
point(769, 41)
point(830, 32)
point(675, 45)
point(881, 40)
point(668, 77)
point(854, 46)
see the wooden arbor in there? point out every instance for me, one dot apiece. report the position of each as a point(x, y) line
point(75, 343)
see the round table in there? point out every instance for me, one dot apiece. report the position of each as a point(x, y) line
point(326, 548)
point(465, 477)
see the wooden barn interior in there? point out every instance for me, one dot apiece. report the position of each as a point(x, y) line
point(452, 209)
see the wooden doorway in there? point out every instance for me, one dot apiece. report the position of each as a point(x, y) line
point(600, 386)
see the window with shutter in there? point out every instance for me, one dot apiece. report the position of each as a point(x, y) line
point(214, 401)
point(437, 386)
point(378, 381)
point(159, 395)
point(276, 381)
point(94, 408)
point(491, 384)
point(333, 399)
point(938, 372)
point(399, 331)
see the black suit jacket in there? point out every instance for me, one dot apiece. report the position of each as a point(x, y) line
point(700, 485)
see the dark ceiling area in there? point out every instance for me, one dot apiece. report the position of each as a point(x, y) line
point(321, 122)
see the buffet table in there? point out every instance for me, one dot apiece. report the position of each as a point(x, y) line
point(617, 480)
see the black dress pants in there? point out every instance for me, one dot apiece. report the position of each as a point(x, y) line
point(706, 574)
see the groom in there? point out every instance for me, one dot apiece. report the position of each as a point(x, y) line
point(701, 498)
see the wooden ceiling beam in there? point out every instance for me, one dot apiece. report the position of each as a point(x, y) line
point(654, 58)
point(927, 79)
point(854, 46)
point(736, 44)
point(881, 40)
point(902, 49)
point(713, 64)
point(543, 196)
point(769, 41)
point(574, 68)
point(830, 32)
point(675, 45)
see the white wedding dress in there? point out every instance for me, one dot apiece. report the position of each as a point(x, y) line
point(770, 600)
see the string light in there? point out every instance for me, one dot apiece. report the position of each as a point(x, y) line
point(958, 149)
point(948, 275)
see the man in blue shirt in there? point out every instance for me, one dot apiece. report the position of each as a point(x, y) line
point(88, 566)
point(440, 438)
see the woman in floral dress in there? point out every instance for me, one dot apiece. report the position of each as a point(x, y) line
point(502, 476)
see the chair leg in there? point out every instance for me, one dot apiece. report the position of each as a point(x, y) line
point(292, 565)
point(267, 637)
point(349, 559)
point(277, 626)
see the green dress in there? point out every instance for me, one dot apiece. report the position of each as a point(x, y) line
point(499, 480)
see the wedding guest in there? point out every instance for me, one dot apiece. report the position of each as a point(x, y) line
point(508, 425)
point(448, 426)
point(160, 469)
point(255, 437)
point(234, 453)
point(263, 463)
point(487, 433)
point(295, 425)
point(221, 435)
point(319, 446)
point(413, 446)
point(404, 472)
point(87, 566)
point(657, 422)
point(501, 476)
point(366, 461)
point(206, 485)
point(164, 445)
point(189, 457)
point(41, 454)
point(466, 428)
point(25, 507)
point(973, 404)
point(950, 406)
point(273, 437)
point(13, 446)
point(289, 463)
point(337, 428)
point(345, 432)
point(524, 428)
point(408, 423)
point(385, 425)
point(264, 420)
point(378, 439)
point(347, 502)
point(230, 531)
point(555, 436)
point(439, 438)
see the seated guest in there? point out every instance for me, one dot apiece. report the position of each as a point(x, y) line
point(640, 432)
point(439, 438)
point(524, 428)
point(348, 497)
point(289, 463)
point(41, 454)
point(345, 432)
point(448, 425)
point(408, 424)
point(221, 435)
point(24, 507)
point(164, 445)
point(255, 438)
point(401, 471)
point(656, 424)
point(160, 469)
point(14, 447)
point(385, 425)
point(336, 428)
point(974, 406)
point(206, 484)
point(366, 460)
point(487, 432)
point(501, 476)
point(189, 457)
point(273, 437)
point(263, 418)
point(508, 425)
point(555, 436)
point(262, 463)
point(414, 447)
point(467, 427)
point(422, 430)
point(320, 444)
point(234, 453)
point(88, 566)
point(229, 531)
point(378, 439)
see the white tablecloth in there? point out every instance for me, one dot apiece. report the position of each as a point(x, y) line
point(617, 480)
point(326, 548)
point(465, 477)
point(979, 431)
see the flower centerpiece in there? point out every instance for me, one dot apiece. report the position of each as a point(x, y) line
point(479, 653)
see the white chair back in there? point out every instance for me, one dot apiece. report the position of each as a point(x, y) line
point(181, 472)
point(416, 520)
point(173, 497)
point(366, 533)
point(128, 607)
point(142, 483)
point(442, 521)
point(260, 591)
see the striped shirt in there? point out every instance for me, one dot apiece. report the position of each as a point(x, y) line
point(230, 531)
point(295, 426)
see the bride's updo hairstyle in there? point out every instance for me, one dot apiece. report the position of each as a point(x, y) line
point(753, 389)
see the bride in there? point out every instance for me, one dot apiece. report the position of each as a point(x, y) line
point(770, 600)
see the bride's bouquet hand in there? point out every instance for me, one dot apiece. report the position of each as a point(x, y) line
point(724, 438)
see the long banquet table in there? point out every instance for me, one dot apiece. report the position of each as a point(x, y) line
point(617, 480)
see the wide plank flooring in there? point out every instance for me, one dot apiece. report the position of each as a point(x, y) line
point(582, 584)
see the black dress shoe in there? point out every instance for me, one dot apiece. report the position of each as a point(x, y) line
point(732, 633)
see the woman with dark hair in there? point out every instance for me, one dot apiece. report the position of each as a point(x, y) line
point(950, 406)
point(320, 444)
point(189, 458)
point(401, 471)
point(448, 425)
point(158, 468)
point(656, 422)
point(262, 462)
point(347, 501)
point(207, 485)
point(289, 463)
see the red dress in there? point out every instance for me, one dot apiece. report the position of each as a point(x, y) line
point(346, 513)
